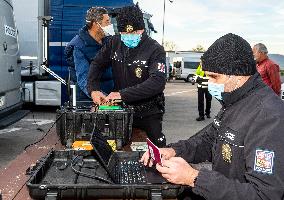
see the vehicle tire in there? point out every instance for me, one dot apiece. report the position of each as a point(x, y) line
point(188, 79)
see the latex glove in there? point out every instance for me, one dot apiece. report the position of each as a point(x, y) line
point(176, 170)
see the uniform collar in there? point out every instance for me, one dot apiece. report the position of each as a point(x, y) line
point(144, 36)
point(252, 83)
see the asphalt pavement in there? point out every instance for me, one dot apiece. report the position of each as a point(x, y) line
point(179, 121)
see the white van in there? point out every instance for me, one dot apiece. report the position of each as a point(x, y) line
point(10, 71)
point(185, 67)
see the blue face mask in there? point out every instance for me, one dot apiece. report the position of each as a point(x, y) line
point(215, 89)
point(131, 40)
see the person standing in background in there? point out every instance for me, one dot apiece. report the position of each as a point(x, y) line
point(202, 88)
point(269, 71)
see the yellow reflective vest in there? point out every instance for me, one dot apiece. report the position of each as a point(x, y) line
point(200, 78)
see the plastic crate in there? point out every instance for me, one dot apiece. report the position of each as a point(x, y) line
point(78, 124)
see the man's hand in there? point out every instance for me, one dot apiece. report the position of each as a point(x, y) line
point(113, 96)
point(166, 154)
point(98, 97)
point(176, 170)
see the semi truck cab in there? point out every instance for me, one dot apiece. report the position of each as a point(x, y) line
point(45, 28)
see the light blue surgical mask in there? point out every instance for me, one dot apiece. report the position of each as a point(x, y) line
point(131, 40)
point(216, 89)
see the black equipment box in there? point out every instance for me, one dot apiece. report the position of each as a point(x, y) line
point(53, 177)
point(78, 124)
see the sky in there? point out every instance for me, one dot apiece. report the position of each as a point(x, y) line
point(189, 23)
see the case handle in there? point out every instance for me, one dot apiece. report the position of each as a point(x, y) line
point(51, 195)
point(156, 194)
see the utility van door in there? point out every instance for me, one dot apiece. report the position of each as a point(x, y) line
point(189, 69)
point(10, 74)
point(178, 69)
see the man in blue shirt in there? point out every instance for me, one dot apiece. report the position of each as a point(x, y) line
point(84, 47)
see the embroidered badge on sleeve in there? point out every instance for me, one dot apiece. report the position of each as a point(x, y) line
point(138, 72)
point(227, 153)
point(264, 161)
point(161, 67)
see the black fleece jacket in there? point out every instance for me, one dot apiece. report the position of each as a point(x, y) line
point(139, 73)
point(245, 144)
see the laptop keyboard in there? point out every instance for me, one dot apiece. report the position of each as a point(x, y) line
point(131, 172)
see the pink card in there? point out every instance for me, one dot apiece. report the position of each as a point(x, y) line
point(154, 152)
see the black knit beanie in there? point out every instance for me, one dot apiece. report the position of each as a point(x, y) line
point(130, 19)
point(230, 55)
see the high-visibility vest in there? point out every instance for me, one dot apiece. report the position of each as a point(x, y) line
point(200, 78)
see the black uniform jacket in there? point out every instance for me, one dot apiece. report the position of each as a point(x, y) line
point(245, 144)
point(139, 73)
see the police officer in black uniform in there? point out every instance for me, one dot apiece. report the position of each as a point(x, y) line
point(138, 64)
point(245, 140)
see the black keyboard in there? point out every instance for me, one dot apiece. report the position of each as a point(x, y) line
point(131, 172)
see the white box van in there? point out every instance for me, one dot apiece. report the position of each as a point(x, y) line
point(10, 72)
point(185, 67)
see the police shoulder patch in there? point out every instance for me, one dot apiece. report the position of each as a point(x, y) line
point(264, 161)
point(161, 67)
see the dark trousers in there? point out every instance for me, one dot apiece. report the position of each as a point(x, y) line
point(201, 93)
point(152, 125)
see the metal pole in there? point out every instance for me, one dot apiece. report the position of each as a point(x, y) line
point(73, 87)
point(164, 22)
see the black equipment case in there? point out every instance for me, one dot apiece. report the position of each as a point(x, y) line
point(77, 124)
point(53, 177)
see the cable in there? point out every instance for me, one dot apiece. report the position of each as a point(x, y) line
point(25, 183)
point(34, 144)
point(38, 128)
point(20, 189)
point(45, 133)
point(87, 175)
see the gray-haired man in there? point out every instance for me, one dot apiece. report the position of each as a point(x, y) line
point(268, 70)
point(84, 46)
